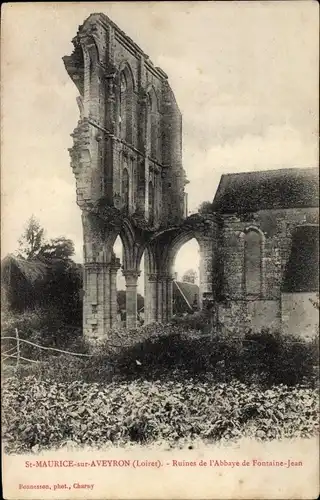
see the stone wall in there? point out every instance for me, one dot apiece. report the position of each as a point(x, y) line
point(276, 228)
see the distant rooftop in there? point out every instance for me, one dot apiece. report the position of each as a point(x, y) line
point(189, 292)
point(261, 190)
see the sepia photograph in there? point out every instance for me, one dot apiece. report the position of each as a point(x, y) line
point(160, 250)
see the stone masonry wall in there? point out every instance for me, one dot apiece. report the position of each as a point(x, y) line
point(276, 227)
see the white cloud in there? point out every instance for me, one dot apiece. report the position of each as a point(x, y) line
point(279, 147)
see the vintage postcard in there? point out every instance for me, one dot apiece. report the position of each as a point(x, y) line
point(159, 266)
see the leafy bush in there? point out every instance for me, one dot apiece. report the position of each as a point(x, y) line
point(280, 358)
point(265, 357)
point(42, 413)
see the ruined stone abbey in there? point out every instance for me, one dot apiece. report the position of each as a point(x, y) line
point(258, 240)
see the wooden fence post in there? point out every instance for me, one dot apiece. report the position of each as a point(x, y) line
point(18, 348)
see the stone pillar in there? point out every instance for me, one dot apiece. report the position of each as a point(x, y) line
point(90, 301)
point(169, 298)
point(167, 306)
point(209, 273)
point(151, 296)
point(100, 298)
point(113, 270)
point(206, 270)
point(131, 277)
point(160, 298)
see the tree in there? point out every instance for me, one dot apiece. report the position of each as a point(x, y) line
point(59, 248)
point(31, 240)
point(33, 245)
point(58, 289)
point(189, 276)
point(205, 207)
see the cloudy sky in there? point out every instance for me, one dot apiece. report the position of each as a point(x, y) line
point(245, 76)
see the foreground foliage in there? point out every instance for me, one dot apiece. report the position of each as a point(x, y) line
point(39, 414)
point(167, 352)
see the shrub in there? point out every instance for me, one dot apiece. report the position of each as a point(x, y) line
point(265, 357)
point(299, 360)
point(280, 358)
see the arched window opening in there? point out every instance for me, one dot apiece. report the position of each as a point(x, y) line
point(141, 294)
point(125, 189)
point(253, 262)
point(152, 125)
point(123, 106)
point(121, 284)
point(186, 274)
point(126, 105)
point(151, 203)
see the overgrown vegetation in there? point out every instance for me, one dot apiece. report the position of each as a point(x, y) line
point(40, 414)
point(42, 276)
point(47, 327)
point(164, 352)
point(169, 383)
